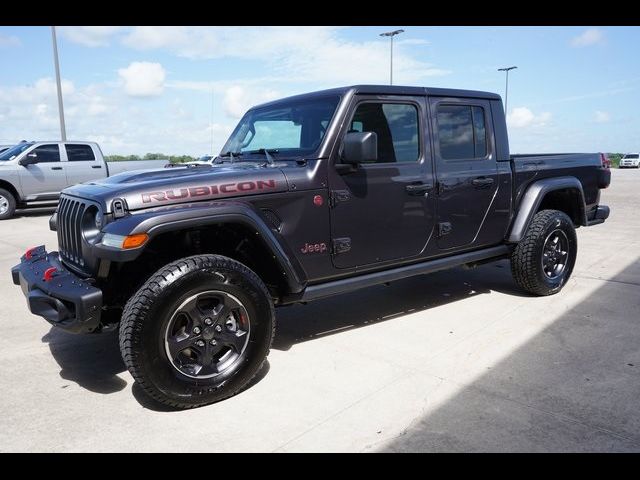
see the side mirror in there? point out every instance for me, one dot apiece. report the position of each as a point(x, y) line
point(360, 147)
point(29, 159)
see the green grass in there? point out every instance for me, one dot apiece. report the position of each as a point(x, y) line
point(615, 159)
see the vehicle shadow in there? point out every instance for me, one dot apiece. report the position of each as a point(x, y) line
point(91, 361)
point(94, 361)
point(301, 323)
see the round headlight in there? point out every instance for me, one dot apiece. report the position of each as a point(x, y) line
point(90, 228)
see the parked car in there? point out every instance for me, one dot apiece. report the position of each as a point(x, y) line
point(32, 172)
point(312, 196)
point(630, 160)
point(203, 160)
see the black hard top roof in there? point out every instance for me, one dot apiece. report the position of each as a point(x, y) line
point(390, 90)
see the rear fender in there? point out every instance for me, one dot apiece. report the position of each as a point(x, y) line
point(534, 196)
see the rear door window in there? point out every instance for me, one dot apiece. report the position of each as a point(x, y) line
point(462, 133)
point(79, 153)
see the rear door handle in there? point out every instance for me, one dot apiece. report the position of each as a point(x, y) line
point(96, 166)
point(56, 168)
point(482, 182)
point(417, 189)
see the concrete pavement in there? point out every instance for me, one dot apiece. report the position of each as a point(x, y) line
point(455, 361)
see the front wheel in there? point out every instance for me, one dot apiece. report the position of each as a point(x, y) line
point(7, 204)
point(197, 331)
point(543, 260)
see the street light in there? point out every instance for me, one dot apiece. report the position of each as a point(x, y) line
point(506, 88)
point(63, 130)
point(391, 35)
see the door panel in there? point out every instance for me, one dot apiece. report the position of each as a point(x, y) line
point(466, 169)
point(45, 178)
point(82, 165)
point(384, 210)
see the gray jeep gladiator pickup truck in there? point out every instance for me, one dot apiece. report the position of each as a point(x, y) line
point(311, 196)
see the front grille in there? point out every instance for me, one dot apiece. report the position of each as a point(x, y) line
point(70, 229)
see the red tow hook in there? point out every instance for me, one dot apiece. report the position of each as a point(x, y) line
point(48, 274)
point(29, 253)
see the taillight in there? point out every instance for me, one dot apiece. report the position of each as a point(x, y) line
point(606, 163)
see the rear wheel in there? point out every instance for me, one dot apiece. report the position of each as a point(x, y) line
point(197, 331)
point(543, 260)
point(7, 204)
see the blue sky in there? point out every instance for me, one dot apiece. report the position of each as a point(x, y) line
point(153, 89)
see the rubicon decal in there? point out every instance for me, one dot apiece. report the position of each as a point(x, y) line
point(208, 191)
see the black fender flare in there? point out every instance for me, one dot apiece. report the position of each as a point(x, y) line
point(178, 217)
point(533, 197)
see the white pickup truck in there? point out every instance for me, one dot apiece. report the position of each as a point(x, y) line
point(35, 172)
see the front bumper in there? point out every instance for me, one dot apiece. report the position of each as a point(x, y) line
point(61, 298)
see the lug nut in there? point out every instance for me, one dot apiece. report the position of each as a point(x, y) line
point(218, 328)
point(207, 321)
point(213, 343)
point(196, 330)
point(200, 343)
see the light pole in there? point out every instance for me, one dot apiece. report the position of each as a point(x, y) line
point(391, 35)
point(63, 130)
point(506, 87)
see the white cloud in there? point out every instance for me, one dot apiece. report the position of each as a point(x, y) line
point(237, 100)
point(9, 41)
point(602, 117)
point(97, 36)
point(294, 53)
point(143, 79)
point(591, 36)
point(522, 117)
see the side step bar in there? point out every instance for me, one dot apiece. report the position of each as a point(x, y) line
point(315, 292)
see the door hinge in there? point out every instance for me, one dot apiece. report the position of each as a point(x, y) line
point(341, 245)
point(339, 196)
point(439, 188)
point(444, 228)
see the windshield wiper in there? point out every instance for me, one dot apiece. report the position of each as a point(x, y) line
point(267, 153)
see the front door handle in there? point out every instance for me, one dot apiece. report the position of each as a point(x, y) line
point(56, 168)
point(417, 189)
point(482, 182)
point(96, 166)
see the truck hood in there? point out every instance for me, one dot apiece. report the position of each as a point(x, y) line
point(167, 186)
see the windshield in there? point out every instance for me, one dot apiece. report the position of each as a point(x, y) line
point(293, 129)
point(632, 155)
point(14, 151)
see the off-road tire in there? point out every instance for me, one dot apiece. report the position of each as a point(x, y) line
point(147, 315)
point(11, 204)
point(527, 257)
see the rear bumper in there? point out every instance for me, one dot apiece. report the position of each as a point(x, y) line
point(599, 215)
point(65, 300)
